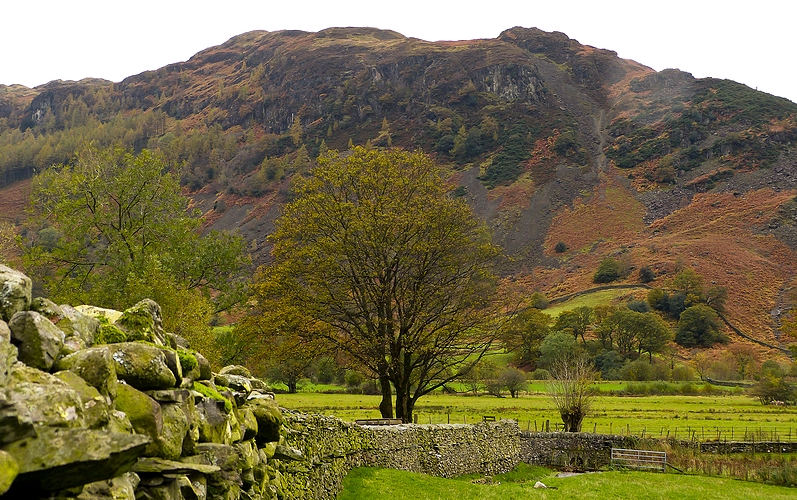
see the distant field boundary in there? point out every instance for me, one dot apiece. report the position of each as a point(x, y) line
point(751, 339)
point(565, 298)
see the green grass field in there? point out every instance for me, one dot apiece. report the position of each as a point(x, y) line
point(684, 417)
point(384, 484)
point(589, 299)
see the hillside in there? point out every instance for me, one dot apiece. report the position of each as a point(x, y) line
point(550, 141)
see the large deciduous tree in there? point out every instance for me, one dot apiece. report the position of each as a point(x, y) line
point(112, 227)
point(374, 246)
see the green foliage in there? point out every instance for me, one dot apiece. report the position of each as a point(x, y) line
point(120, 231)
point(557, 346)
point(609, 363)
point(699, 326)
point(638, 306)
point(608, 271)
point(662, 388)
point(540, 374)
point(375, 251)
point(630, 331)
point(507, 165)
point(210, 392)
point(641, 369)
point(513, 379)
point(575, 321)
point(525, 334)
point(538, 300)
point(771, 387)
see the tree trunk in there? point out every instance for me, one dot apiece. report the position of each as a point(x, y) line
point(292, 384)
point(400, 405)
point(572, 419)
point(386, 405)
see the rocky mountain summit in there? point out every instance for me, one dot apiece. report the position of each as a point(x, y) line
point(550, 141)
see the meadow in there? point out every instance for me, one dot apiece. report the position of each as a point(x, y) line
point(379, 484)
point(727, 416)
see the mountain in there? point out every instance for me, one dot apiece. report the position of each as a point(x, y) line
point(550, 141)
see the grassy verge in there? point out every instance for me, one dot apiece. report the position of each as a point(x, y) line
point(378, 484)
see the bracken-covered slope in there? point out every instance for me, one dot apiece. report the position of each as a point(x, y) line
point(550, 140)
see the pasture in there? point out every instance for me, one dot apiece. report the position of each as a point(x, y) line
point(730, 416)
point(378, 484)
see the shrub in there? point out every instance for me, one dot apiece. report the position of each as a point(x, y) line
point(540, 374)
point(608, 271)
point(639, 306)
point(771, 388)
point(560, 247)
point(610, 364)
point(683, 373)
point(638, 370)
point(539, 300)
point(646, 274)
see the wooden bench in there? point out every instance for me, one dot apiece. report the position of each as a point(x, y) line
point(639, 459)
point(379, 421)
point(488, 418)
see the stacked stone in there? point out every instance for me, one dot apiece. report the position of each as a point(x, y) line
point(332, 447)
point(447, 450)
point(571, 450)
point(142, 417)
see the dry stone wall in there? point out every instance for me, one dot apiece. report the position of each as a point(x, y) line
point(331, 447)
point(565, 450)
point(101, 404)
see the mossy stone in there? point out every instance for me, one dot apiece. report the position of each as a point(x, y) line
point(175, 429)
point(268, 416)
point(144, 413)
point(108, 333)
point(38, 340)
point(143, 322)
point(15, 292)
point(95, 365)
point(143, 366)
point(95, 408)
point(9, 468)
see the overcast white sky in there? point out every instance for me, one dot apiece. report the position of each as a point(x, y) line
point(750, 42)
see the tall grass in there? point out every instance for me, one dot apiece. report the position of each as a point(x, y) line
point(769, 468)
